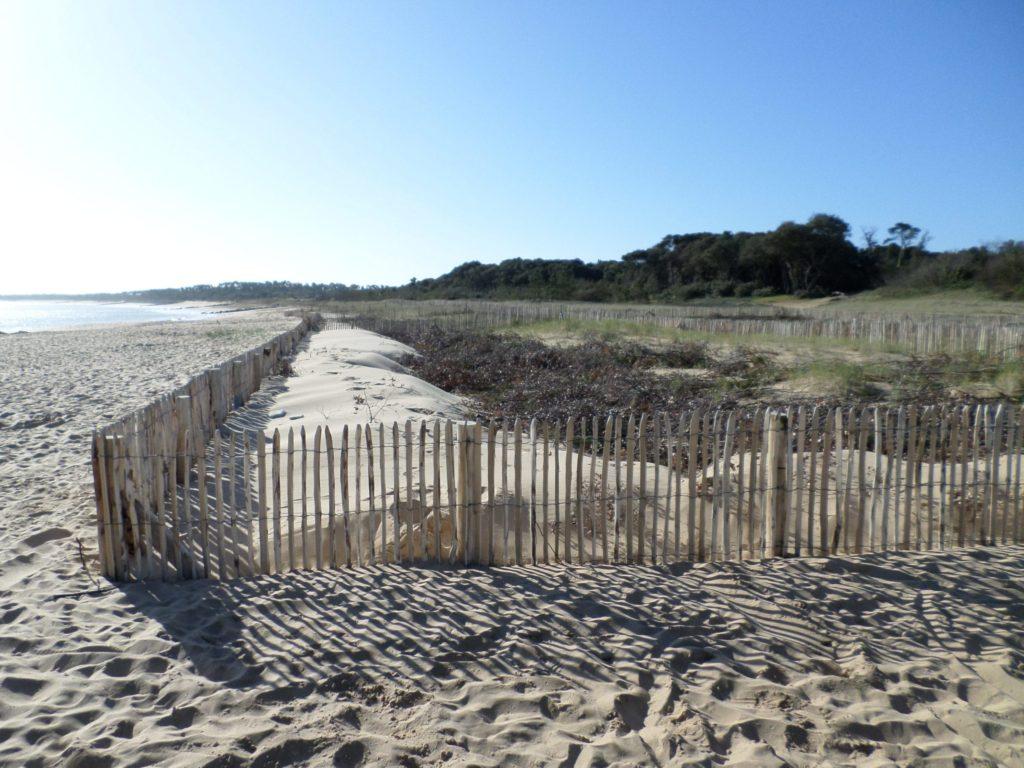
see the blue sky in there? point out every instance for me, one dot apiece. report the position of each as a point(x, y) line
point(150, 144)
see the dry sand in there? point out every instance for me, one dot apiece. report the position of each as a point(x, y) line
point(901, 658)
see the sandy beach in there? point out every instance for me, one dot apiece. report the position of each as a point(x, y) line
point(889, 659)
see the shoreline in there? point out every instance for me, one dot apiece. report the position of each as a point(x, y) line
point(198, 311)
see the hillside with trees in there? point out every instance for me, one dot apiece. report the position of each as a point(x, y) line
point(815, 258)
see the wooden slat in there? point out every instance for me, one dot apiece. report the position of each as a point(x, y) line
point(261, 507)
point(290, 490)
point(628, 490)
point(706, 446)
point(104, 528)
point(250, 541)
point(450, 467)
point(218, 481)
point(876, 485)
point(617, 511)
point(775, 508)
point(826, 460)
point(318, 551)
point(126, 514)
point(889, 442)
point(789, 479)
point(714, 451)
point(396, 489)
point(677, 464)
point(359, 524)
point(592, 489)
point(410, 533)
point(462, 524)
point(1019, 479)
point(812, 478)
point(372, 514)
point(382, 456)
point(533, 491)
point(556, 530)
point(172, 487)
point(981, 464)
point(137, 463)
point(204, 517)
point(303, 469)
point(799, 479)
point(609, 425)
point(850, 481)
point(910, 480)
point(992, 476)
point(421, 547)
point(567, 542)
point(275, 473)
point(919, 457)
point(858, 525)
point(117, 550)
point(946, 452)
point(345, 504)
point(933, 440)
point(506, 497)
point(332, 538)
point(730, 431)
point(641, 520)
point(656, 491)
point(492, 497)
point(546, 448)
point(1004, 491)
point(578, 507)
point(517, 517)
point(161, 533)
point(691, 461)
point(843, 450)
point(898, 445)
point(966, 416)
point(436, 496)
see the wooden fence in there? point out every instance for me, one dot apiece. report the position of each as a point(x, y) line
point(179, 423)
point(649, 488)
point(991, 335)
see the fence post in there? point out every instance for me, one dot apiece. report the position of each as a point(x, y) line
point(466, 504)
point(775, 507)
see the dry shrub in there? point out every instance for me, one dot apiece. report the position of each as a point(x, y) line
point(514, 376)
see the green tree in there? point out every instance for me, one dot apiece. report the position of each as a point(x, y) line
point(904, 235)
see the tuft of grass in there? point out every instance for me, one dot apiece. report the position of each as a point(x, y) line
point(841, 379)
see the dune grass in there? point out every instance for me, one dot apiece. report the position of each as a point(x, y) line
point(892, 301)
point(616, 330)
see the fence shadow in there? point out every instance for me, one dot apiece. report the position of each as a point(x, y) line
point(420, 629)
point(255, 414)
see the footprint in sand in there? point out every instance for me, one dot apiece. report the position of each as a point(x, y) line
point(45, 536)
point(350, 755)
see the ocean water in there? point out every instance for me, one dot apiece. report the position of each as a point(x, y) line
point(32, 315)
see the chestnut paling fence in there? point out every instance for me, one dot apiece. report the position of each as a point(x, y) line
point(712, 484)
point(177, 423)
point(989, 335)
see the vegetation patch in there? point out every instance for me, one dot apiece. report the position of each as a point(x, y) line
point(509, 375)
point(587, 374)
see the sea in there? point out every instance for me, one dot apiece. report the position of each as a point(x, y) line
point(43, 315)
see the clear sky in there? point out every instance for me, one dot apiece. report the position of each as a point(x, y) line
point(150, 144)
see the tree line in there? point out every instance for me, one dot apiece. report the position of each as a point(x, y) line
point(814, 258)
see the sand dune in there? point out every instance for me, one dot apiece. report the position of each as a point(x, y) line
point(895, 658)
